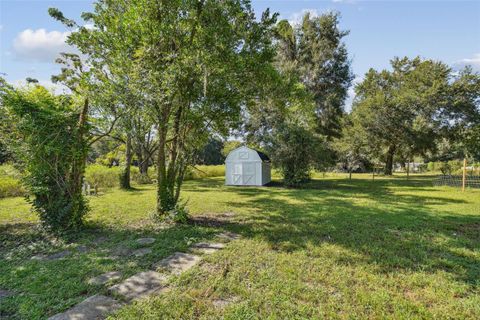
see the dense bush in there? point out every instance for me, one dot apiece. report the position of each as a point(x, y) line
point(8, 170)
point(48, 143)
point(453, 167)
point(104, 177)
point(295, 152)
point(99, 176)
point(11, 187)
point(10, 183)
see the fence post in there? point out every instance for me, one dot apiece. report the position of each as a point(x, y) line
point(464, 176)
point(408, 169)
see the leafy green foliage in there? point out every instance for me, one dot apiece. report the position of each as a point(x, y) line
point(315, 53)
point(49, 150)
point(414, 108)
point(211, 153)
point(351, 149)
point(102, 177)
point(301, 109)
point(179, 214)
point(10, 187)
point(296, 151)
point(472, 142)
point(190, 71)
point(229, 146)
point(5, 155)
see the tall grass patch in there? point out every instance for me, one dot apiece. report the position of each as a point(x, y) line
point(199, 172)
point(10, 183)
point(102, 177)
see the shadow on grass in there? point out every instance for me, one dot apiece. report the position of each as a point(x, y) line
point(391, 229)
point(45, 286)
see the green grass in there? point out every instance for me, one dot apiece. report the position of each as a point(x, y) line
point(390, 248)
point(10, 185)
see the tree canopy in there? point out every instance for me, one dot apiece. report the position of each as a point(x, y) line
point(411, 108)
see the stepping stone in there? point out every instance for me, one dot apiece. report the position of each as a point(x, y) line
point(178, 262)
point(224, 302)
point(59, 255)
point(39, 257)
point(121, 251)
point(140, 285)
point(141, 252)
point(145, 241)
point(104, 278)
point(5, 294)
point(229, 236)
point(100, 240)
point(208, 248)
point(94, 307)
point(82, 249)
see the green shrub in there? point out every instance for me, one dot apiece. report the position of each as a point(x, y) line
point(7, 170)
point(199, 172)
point(49, 142)
point(10, 187)
point(10, 182)
point(102, 177)
point(143, 179)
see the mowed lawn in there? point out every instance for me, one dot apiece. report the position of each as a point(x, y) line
point(388, 248)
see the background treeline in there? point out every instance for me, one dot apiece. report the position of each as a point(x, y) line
point(150, 100)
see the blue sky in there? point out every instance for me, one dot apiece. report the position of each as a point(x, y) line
point(379, 30)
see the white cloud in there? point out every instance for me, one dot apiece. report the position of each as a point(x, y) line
point(474, 62)
point(296, 17)
point(40, 45)
point(48, 84)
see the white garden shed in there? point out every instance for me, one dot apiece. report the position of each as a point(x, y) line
point(247, 167)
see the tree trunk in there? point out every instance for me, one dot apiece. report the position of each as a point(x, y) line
point(172, 170)
point(165, 199)
point(350, 174)
point(389, 161)
point(125, 177)
point(143, 167)
point(78, 171)
point(143, 157)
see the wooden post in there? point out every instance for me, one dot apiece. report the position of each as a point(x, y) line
point(373, 174)
point(464, 176)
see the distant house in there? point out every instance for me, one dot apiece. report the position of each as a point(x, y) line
point(247, 167)
point(414, 167)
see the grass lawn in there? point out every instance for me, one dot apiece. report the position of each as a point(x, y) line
point(390, 248)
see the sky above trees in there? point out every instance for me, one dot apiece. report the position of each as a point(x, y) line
point(30, 39)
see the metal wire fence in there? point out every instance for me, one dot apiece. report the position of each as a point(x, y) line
point(471, 181)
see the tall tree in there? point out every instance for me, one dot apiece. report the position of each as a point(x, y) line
point(413, 106)
point(317, 55)
point(303, 111)
point(352, 149)
point(193, 65)
point(211, 153)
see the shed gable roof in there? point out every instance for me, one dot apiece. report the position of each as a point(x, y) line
point(262, 156)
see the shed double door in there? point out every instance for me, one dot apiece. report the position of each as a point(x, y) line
point(244, 174)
